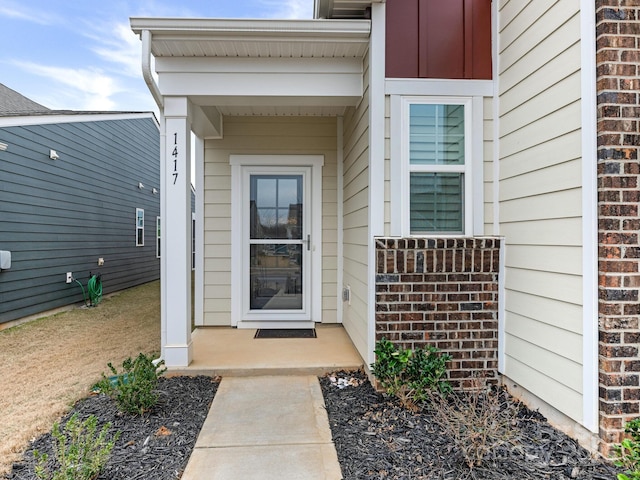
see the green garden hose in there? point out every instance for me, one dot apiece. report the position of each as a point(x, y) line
point(94, 290)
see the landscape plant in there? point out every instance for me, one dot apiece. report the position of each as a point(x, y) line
point(80, 450)
point(410, 375)
point(135, 388)
point(477, 420)
point(628, 452)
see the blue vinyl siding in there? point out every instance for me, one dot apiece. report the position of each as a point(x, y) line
point(59, 216)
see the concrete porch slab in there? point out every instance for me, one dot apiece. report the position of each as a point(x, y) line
point(227, 351)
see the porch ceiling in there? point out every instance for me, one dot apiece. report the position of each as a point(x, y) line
point(281, 111)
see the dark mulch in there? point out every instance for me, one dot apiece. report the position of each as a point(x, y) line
point(377, 439)
point(155, 446)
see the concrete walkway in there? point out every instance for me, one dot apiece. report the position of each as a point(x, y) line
point(265, 427)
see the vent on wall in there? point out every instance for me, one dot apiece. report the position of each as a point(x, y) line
point(346, 294)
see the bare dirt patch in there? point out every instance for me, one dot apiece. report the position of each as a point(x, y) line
point(48, 364)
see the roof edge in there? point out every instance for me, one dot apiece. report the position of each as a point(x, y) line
point(243, 27)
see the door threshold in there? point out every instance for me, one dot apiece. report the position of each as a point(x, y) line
point(275, 324)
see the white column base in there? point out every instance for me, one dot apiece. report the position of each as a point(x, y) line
point(178, 355)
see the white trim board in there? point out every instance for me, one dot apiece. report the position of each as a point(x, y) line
point(433, 87)
point(589, 218)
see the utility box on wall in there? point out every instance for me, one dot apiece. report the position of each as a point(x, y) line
point(5, 260)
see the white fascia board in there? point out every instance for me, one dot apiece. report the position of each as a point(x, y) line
point(433, 87)
point(249, 65)
point(180, 28)
point(26, 120)
point(270, 101)
point(262, 85)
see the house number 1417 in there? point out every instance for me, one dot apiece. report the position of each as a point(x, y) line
point(175, 158)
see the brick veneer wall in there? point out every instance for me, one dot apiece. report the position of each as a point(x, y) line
point(618, 85)
point(441, 292)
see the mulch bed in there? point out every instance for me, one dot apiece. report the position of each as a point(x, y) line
point(155, 446)
point(377, 439)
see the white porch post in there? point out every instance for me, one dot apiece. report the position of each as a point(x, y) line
point(176, 226)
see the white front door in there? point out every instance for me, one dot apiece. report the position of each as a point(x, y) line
point(277, 238)
point(277, 247)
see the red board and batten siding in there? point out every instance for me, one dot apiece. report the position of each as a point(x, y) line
point(439, 39)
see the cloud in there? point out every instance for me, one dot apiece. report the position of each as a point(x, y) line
point(77, 89)
point(16, 11)
point(289, 9)
point(121, 47)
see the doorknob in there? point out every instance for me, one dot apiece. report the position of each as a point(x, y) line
point(308, 242)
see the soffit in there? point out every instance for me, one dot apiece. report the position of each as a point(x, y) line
point(184, 37)
point(281, 111)
point(344, 9)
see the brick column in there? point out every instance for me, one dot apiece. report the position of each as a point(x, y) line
point(441, 292)
point(618, 85)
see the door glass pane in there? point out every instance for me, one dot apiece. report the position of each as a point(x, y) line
point(436, 201)
point(276, 277)
point(276, 207)
point(436, 134)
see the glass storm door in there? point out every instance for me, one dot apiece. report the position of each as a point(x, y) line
point(278, 244)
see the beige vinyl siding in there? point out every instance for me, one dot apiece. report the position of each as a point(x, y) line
point(249, 135)
point(541, 198)
point(356, 219)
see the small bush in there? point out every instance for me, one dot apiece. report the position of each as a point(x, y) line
point(475, 421)
point(80, 451)
point(410, 375)
point(134, 389)
point(628, 452)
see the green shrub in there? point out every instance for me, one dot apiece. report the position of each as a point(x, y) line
point(80, 451)
point(134, 389)
point(410, 375)
point(628, 452)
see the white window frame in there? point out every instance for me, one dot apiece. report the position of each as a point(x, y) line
point(193, 240)
point(401, 167)
point(158, 236)
point(139, 227)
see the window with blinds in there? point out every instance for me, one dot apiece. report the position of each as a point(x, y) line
point(437, 165)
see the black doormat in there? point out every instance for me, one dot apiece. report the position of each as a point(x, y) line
point(286, 333)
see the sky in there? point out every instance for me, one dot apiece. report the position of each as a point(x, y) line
point(82, 54)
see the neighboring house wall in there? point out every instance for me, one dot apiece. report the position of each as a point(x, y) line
point(263, 136)
point(618, 24)
point(59, 216)
point(540, 198)
point(356, 219)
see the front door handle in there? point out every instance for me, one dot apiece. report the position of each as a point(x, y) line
point(308, 242)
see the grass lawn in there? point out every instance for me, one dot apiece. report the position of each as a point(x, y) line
point(48, 364)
